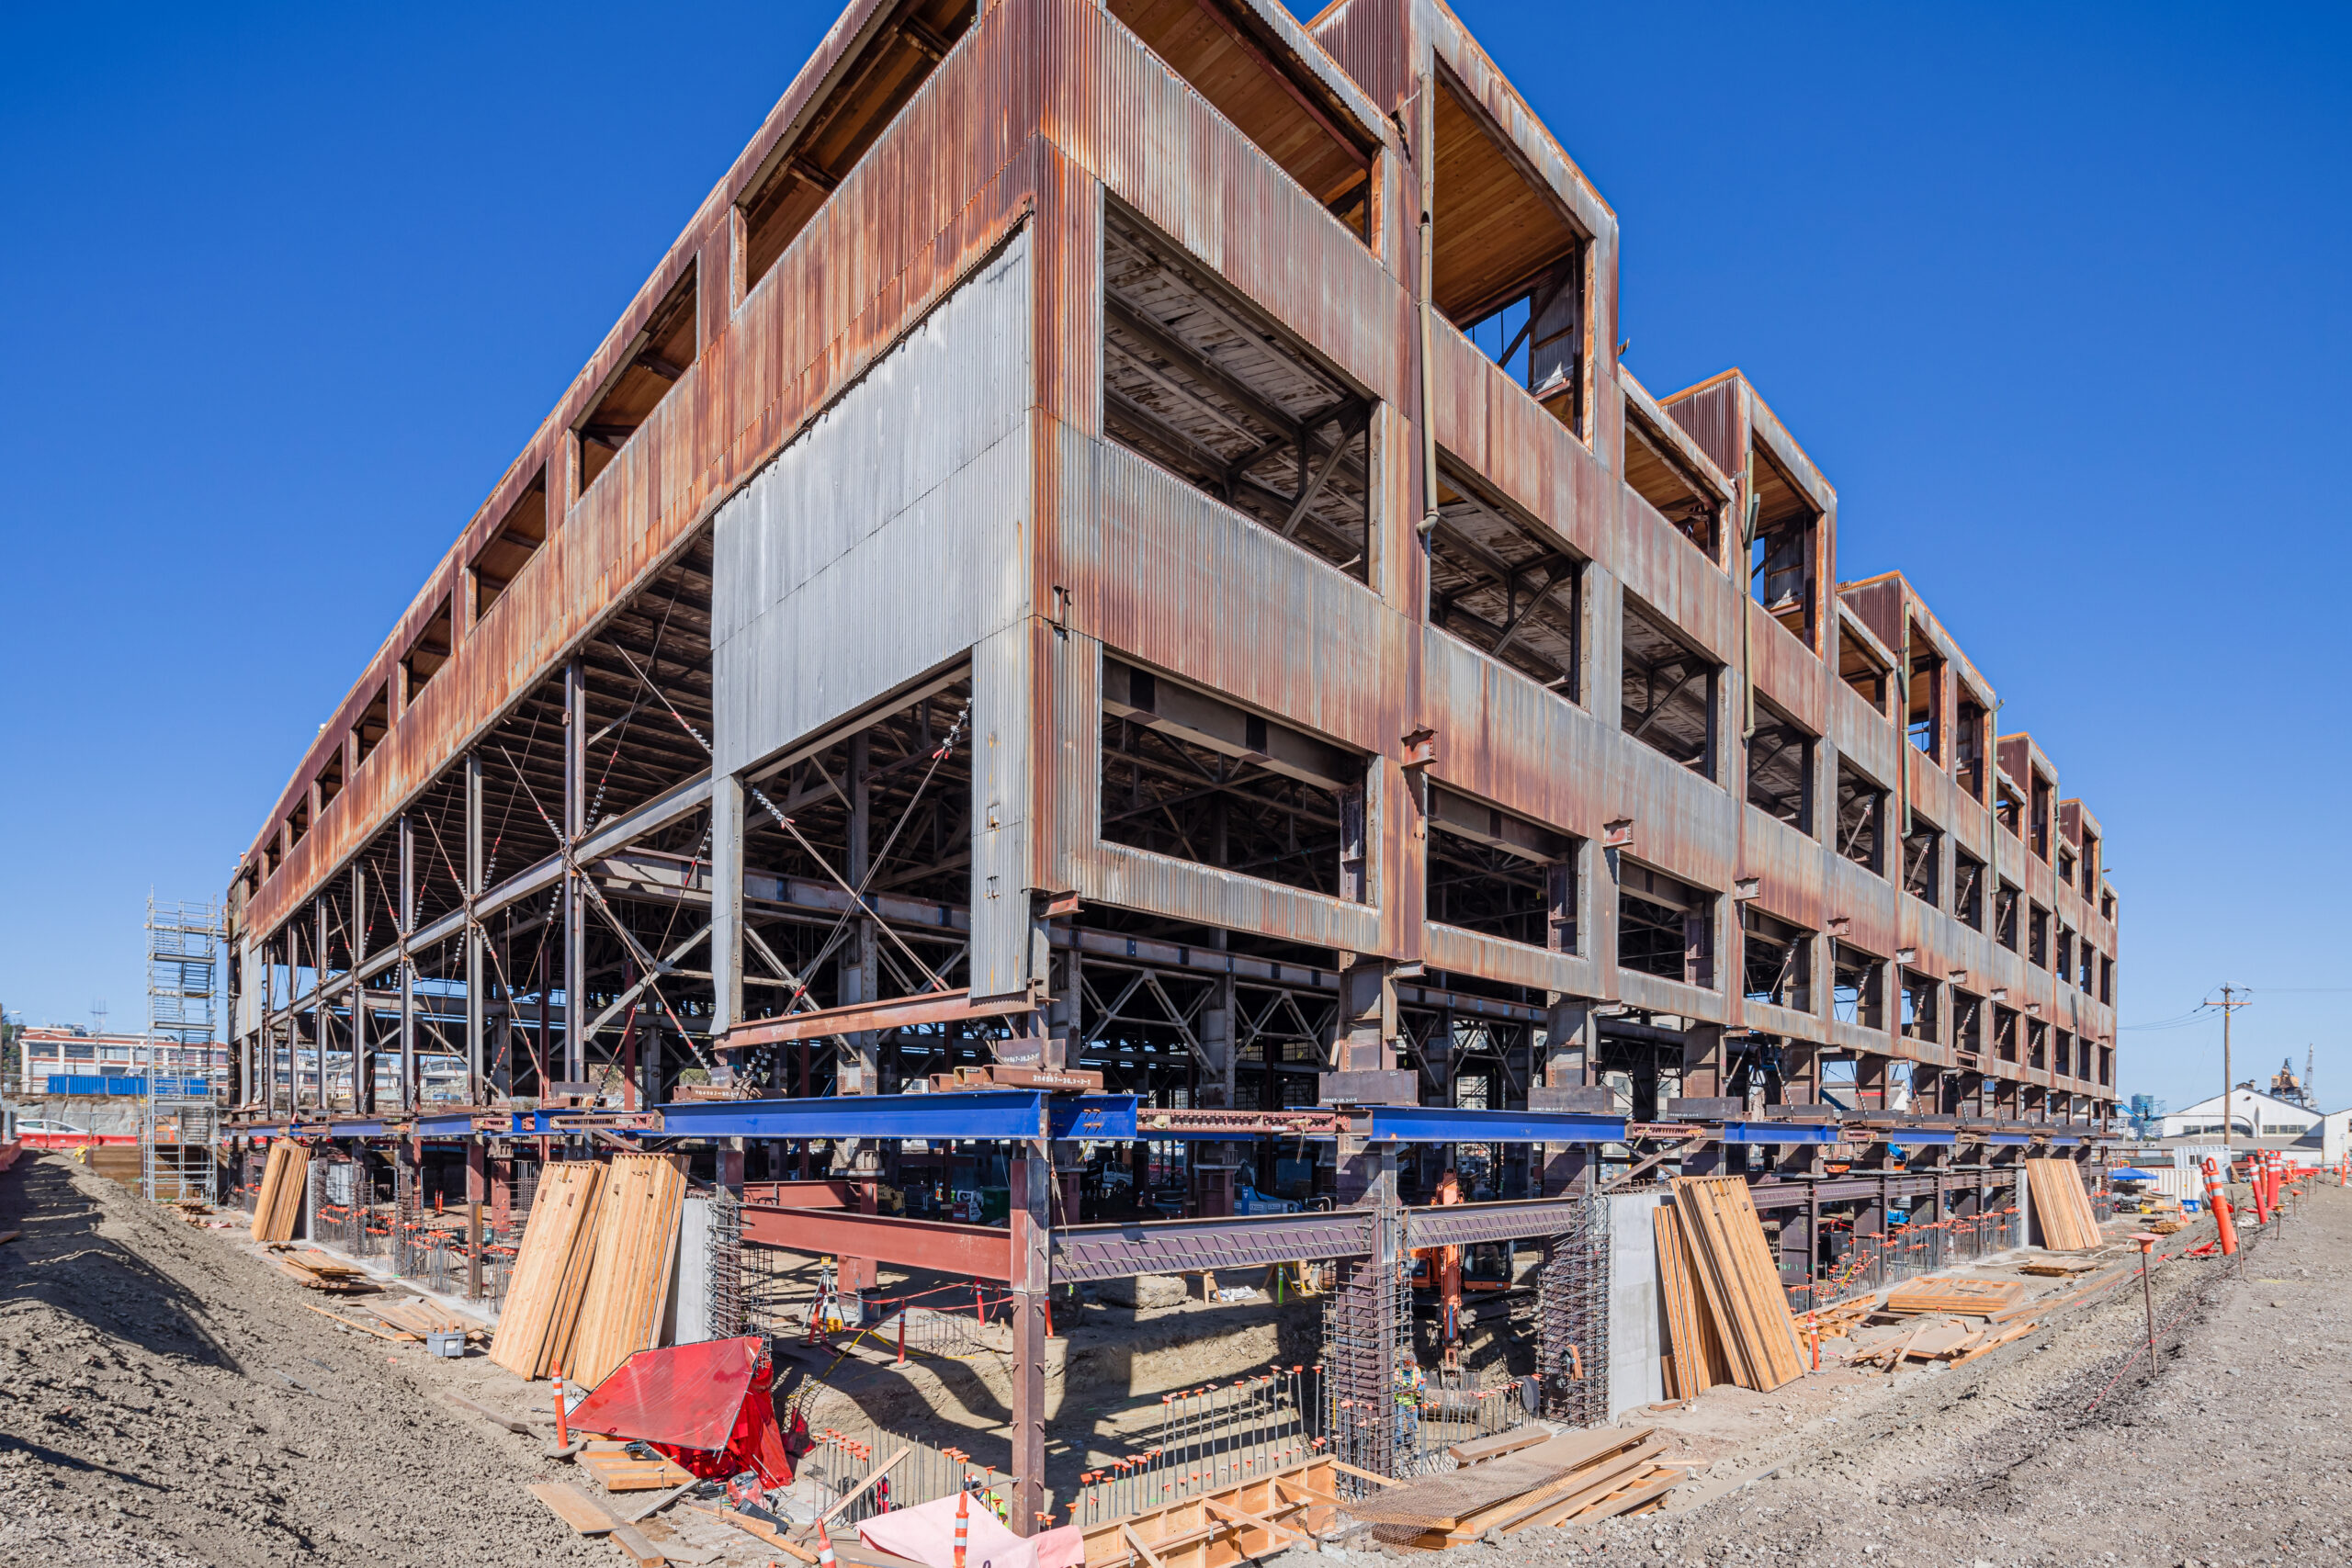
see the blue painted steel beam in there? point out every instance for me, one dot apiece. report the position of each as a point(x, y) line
point(1094, 1116)
point(443, 1126)
point(1920, 1135)
point(1779, 1133)
point(356, 1129)
point(1448, 1124)
point(2008, 1137)
point(980, 1113)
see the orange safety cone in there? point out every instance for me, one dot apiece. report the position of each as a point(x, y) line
point(824, 1546)
point(963, 1523)
point(2220, 1203)
point(562, 1415)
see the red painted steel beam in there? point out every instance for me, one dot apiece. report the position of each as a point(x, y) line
point(981, 1252)
point(893, 1012)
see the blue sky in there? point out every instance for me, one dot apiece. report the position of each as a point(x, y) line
point(2056, 296)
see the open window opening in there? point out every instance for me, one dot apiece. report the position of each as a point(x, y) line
point(2090, 863)
point(1861, 819)
point(1509, 266)
point(2107, 1067)
point(1668, 691)
point(1499, 584)
point(2086, 965)
point(1781, 556)
point(653, 363)
point(1663, 480)
point(520, 533)
point(1967, 1025)
point(1968, 746)
point(1924, 712)
point(1968, 889)
point(1249, 75)
point(2037, 933)
point(1206, 385)
point(1777, 962)
point(2065, 865)
point(2005, 1033)
point(1860, 667)
point(1501, 875)
point(1190, 775)
point(1920, 1019)
point(1857, 986)
point(2107, 906)
point(2041, 817)
point(425, 655)
point(2063, 1061)
point(330, 779)
point(272, 855)
point(2064, 967)
point(1780, 769)
point(298, 822)
point(2107, 980)
point(375, 723)
point(1923, 862)
point(2005, 915)
point(805, 168)
point(1664, 926)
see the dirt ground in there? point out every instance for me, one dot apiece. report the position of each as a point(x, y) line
point(2058, 1450)
point(165, 1399)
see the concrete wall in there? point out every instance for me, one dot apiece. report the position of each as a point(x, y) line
point(1636, 1319)
point(689, 1314)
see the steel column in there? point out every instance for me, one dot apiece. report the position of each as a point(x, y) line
point(575, 921)
point(477, 971)
point(405, 912)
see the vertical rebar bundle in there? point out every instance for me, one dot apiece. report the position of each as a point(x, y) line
point(1572, 1320)
point(1370, 1410)
point(730, 1314)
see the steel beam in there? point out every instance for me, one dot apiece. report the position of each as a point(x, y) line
point(1169, 1247)
point(1446, 1124)
point(980, 1252)
point(985, 1113)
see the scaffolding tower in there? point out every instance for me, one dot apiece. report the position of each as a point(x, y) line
point(182, 1020)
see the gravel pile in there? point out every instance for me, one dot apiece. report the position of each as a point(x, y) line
point(165, 1399)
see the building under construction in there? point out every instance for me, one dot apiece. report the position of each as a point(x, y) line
point(1114, 563)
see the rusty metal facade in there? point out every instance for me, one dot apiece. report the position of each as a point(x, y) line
point(1041, 113)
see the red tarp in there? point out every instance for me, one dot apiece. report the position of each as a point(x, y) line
point(707, 1406)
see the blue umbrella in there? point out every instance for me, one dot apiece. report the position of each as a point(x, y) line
point(2127, 1173)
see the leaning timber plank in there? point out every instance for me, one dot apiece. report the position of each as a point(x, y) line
point(363, 1327)
point(853, 1493)
point(636, 1548)
point(1647, 1489)
point(574, 1507)
point(765, 1531)
point(1597, 1482)
point(1137, 1542)
point(1498, 1445)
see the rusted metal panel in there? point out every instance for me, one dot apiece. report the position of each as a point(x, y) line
point(1138, 879)
point(1367, 40)
point(892, 1012)
point(1155, 142)
point(935, 194)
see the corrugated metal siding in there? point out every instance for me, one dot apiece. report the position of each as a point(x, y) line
point(906, 504)
point(1003, 785)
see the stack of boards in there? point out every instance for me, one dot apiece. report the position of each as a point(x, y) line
point(1727, 1315)
point(1969, 1298)
point(319, 1272)
point(283, 1182)
point(1579, 1478)
point(2062, 1209)
point(592, 1276)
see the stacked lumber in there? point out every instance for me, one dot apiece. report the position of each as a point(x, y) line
point(621, 1471)
point(534, 1325)
point(628, 1276)
point(1694, 1360)
point(1941, 1342)
point(1224, 1526)
point(1967, 1298)
point(318, 1272)
point(2062, 1209)
point(1579, 1478)
point(1839, 1319)
point(1736, 1275)
point(283, 1182)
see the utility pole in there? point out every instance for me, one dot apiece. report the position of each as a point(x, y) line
point(2229, 1004)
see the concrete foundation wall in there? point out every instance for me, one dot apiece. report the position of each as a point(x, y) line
point(1636, 1323)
